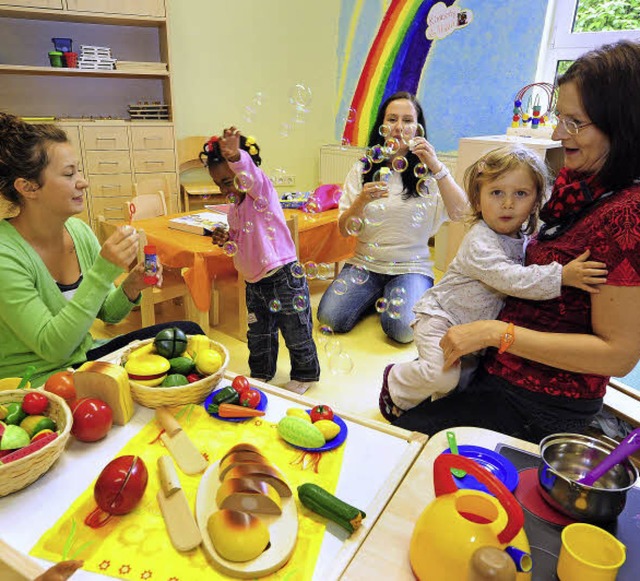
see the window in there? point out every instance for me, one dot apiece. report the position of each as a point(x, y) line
point(576, 26)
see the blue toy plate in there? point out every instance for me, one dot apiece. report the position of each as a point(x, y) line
point(262, 405)
point(331, 444)
point(502, 468)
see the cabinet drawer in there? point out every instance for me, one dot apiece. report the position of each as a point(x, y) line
point(73, 133)
point(157, 160)
point(110, 186)
point(108, 162)
point(110, 208)
point(152, 137)
point(52, 4)
point(140, 7)
point(105, 138)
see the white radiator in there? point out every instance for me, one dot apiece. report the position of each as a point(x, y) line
point(336, 161)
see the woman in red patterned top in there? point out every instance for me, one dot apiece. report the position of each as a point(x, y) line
point(548, 363)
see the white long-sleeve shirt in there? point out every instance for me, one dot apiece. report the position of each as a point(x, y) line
point(395, 237)
point(488, 267)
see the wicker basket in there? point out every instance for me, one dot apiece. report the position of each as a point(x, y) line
point(19, 474)
point(196, 392)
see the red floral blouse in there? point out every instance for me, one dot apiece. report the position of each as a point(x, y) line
point(612, 232)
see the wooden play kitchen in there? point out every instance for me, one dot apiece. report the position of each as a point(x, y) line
point(365, 468)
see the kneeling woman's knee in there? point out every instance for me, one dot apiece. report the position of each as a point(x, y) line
point(396, 329)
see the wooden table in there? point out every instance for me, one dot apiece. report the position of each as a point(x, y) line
point(385, 552)
point(319, 238)
point(376, 458)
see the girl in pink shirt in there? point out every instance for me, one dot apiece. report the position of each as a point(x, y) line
point(264, 253)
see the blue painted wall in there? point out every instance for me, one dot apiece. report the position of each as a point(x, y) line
point(470, 77)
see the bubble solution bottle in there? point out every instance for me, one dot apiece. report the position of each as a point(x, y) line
point(150, 264)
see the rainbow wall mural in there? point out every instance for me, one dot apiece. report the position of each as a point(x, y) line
point(395, 62)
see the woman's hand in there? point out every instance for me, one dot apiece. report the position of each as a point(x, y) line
point(426, 154)
point(372, 191)
point(134, 284)
point(230, 144)
point(121, 248)
point(461, 340)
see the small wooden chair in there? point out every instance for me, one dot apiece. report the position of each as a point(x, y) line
point(146, 206)
point(153, 183)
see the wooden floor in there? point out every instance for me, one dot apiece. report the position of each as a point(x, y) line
point(355, 390)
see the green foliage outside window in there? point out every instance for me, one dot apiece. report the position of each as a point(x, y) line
point(607, 15)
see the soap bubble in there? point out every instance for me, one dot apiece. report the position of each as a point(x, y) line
point(285, 129)
point(420, 170)
point(340, 364)
point(205, 197)
point(248, 227)
point(374, 213)
point(399, 164)
point(384, 131)
point(354, 226)
point(359, 274)
point(394, 310)
point(324, 334)
point(275, 306)
point(345, 143)
point(311, 270)
point(339, 286)
point(350, 116)
point(243, 182)
point(300, 96)
point(377, 154)
point(426, 187)
point(398, 293)
point(230, 248)
point(260, 204)
point(391, 146)
point(249, 114)
point(324, 271)
point(232, 198)
point(367, 164)
point(382, 304)
point(410, 131)
point(333, 347)
point(297, 270)
point(382, 175)
point(418, 217)
point(312, 206)
point(300, 303)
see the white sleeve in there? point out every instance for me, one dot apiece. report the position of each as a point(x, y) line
point(483, 258)
point(351, 188)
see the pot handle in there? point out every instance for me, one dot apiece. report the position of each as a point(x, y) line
point(445, 484)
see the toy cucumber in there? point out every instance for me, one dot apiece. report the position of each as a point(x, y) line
point(300, 433)
point(324, 503)
point(225, 395)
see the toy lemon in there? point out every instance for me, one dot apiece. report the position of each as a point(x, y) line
point(147, 369)
point(208, 361)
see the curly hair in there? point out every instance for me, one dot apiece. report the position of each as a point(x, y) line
point(211, 154)
point(497, 163)
point(24, 152)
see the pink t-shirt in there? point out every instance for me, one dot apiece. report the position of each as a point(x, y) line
point(258, 226)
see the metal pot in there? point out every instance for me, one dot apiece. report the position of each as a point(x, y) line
point(566, 458)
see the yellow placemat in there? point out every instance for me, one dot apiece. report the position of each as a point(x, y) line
point(136, 545)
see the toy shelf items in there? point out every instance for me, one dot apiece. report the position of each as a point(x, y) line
point(529, 118)
point(99, 107)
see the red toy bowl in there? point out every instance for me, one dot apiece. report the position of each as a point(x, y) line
point(121, 484)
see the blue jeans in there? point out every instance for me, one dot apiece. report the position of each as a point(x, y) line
point(342, 310)
point(295, 322)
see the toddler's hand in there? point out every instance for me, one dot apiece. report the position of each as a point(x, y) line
point(230, 144)
point(219, 235)
point(584, 274)
point(121, 248)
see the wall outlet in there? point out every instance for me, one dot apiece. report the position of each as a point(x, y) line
point(289, 180)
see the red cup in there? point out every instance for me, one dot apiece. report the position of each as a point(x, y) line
point(71, 59)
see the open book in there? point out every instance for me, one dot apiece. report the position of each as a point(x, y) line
point(202, 223)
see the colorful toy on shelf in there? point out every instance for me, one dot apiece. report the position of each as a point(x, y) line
point(530, 120)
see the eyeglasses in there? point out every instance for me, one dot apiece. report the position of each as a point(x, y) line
point(571, 127)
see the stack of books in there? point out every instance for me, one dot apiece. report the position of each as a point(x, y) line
point(96, 58)
point(203, 223)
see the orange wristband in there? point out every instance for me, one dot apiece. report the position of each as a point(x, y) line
point(507, 339)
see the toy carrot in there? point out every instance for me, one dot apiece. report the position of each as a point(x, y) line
point(230, 410)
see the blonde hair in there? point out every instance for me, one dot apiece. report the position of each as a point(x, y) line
point(497, 163)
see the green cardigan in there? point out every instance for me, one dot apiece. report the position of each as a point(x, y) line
point(38, 326)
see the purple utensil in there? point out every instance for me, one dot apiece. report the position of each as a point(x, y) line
point(620, 453)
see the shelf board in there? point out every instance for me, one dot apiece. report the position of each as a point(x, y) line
point(86, 17)
point(63, 71)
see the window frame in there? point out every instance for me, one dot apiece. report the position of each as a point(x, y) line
point(559, 43)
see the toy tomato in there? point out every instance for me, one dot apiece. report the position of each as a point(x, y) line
point(321, 412)
point(61, 384)
point(35, 403)
point(240, 383)
point(92, 419)
point(250, 398)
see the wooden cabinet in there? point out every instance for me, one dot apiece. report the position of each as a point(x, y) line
point(116, 153)
point(470, 149)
